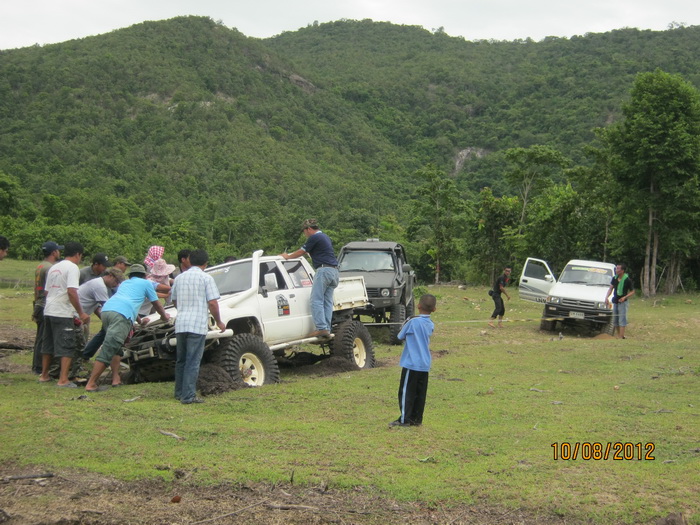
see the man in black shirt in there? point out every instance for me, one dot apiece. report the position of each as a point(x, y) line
point(499, 287)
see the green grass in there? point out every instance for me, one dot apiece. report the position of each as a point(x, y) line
point(497, 401)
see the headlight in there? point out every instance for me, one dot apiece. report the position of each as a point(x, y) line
point(554, 300)
point(602, 306)
point(385, 292)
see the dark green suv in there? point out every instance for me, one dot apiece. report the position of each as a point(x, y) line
point(389, 280)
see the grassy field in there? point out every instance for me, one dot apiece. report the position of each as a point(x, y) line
point(501, 405)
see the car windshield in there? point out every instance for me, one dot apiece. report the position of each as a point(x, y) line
point(233, 278)
point(588, 275)
point(366, 261)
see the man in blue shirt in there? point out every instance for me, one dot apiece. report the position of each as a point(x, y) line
point(415, 363)
point(195, 295)
point(319, 246)
point(118, 316)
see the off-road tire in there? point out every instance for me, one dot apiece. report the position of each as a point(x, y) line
point(353, 342)
point(608, 328)
point(410, 308)
point(247, 359)
point(396, 318)
point(546, 325)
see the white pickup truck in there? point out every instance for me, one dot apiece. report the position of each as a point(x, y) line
point(577, 296)
point(265, 305)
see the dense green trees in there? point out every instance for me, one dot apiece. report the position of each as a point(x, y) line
point(656, 161)
point(473, 154)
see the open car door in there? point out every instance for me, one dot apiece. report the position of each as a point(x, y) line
point(536, 280)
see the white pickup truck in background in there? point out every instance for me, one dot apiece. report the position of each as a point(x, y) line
point(266, 306)
point(578, 296)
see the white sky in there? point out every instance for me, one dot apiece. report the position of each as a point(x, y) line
point(28, 22)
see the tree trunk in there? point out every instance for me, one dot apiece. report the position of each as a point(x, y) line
point(647, 256)
point(652, 264)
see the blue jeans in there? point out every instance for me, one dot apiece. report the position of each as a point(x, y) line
point(325, 283)
point(620, 313)
point(190, 348)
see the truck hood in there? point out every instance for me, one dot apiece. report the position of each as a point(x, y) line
point(579, 291)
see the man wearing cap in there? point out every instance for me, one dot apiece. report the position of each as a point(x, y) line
point(121, 263)
point(52, 252)
point(100, 262)
point(62, 306)
point(118, 317)
point(319, 246)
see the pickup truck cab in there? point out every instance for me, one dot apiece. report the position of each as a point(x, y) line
point(265, 304)
point(577, 296)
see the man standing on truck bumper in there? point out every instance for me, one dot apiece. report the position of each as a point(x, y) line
point(622, 288)
point(195, 295)
point(319, 246)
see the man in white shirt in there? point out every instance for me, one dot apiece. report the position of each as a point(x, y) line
point(62, 306)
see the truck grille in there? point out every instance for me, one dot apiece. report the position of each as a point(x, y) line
point(573, 303)
point(373, 292)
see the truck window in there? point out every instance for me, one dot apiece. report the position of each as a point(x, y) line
point(589, 275)
point(234, 278)
point(300, 277)
point(535, 270)
point(366, 261)
point(270, 268)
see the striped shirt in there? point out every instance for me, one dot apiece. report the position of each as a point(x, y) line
point(192, 291)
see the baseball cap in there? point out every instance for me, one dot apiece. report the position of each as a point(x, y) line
point(121, 259)
point(50, 246)
point(101, 258)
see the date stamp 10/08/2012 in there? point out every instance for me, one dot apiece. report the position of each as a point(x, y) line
point(596, 451)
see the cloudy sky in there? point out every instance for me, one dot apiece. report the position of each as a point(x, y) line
point(28, 22)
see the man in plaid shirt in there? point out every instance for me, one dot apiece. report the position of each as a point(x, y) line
point(194, 294)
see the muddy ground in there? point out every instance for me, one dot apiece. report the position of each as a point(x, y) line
point(38, 495)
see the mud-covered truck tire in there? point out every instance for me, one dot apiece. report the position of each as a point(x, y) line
point(247, 359)
point(396, 318)
point(353, 342)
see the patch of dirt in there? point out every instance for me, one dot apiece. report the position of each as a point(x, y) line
point(14, 338)
point(33, 496)
point(215, 380)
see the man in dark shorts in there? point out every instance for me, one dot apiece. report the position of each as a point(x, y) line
point(61, 310)
point(499, 287)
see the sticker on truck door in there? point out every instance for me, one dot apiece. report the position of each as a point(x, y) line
point(282, 305)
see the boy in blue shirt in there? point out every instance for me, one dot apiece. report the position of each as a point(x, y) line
point(415, 363)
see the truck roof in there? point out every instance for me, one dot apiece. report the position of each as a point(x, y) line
point(371, 245)
point(592, 263)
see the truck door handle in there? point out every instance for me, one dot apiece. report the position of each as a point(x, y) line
point(523, 280)
point(292, 296)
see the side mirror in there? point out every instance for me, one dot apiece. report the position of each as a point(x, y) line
point(549, 278)
point(407, 268)
point(270, 282)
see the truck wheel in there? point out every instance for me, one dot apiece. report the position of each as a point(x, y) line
point(547, 326)
point(396, 318)
point(246, 358)
point(353, 342)
point(410, 308)
point(608, 328)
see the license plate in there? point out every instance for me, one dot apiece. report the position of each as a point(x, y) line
point(577, 315)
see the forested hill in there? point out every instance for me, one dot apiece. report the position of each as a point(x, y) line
point(187, 133)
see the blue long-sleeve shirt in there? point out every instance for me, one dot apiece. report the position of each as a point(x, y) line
point(416, 351)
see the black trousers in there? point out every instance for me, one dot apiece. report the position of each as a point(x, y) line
point(499, 307)
point(413, 390)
